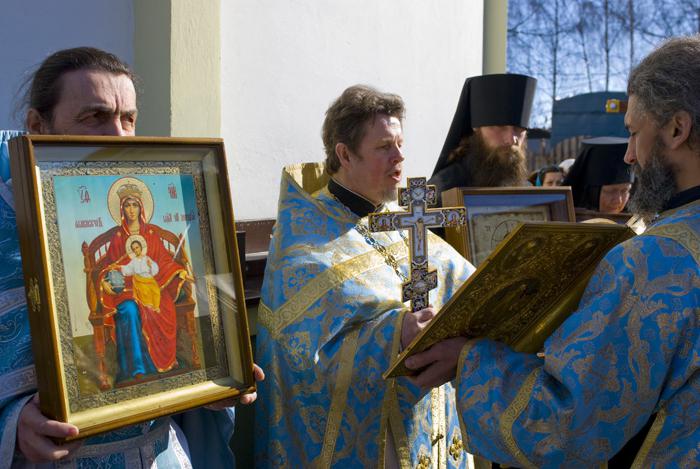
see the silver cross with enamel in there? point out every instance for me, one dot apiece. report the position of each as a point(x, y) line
point(417, 219)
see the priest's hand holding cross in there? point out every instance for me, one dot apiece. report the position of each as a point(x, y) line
point(417, 219)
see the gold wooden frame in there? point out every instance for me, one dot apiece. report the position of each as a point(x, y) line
point(217, 286)
point(558, 202)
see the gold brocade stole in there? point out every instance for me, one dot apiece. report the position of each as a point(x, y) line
point(438, 436)
point(296, 307)
point(338, 399)
point(391, 418)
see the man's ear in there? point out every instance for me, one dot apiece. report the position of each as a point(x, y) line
point(678, 129)
point(35, 123)
point(343, 153)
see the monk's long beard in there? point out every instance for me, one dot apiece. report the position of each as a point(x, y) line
point(654, 185)
point(493, 167)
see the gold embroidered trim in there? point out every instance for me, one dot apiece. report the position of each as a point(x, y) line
point(403, 453)
point(437, 436)
point(296, 176)
point(383, 424)
point(395, 421)
point(389, 258)
point(296, 306)
point(339, 398)
point(388, 393)
point(435, 433)
point(442, 444)
point(511, 415)
point(682, 234)
point(265, 315)
point(649, 441)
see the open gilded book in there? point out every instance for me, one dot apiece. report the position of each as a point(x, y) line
point(524, 289)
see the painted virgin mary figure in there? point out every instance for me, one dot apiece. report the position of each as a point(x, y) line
point(140, 299)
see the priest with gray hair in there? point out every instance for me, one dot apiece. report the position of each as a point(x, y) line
point(618, 382)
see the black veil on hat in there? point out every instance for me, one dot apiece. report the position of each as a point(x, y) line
point(499, 99)
point(601, 162)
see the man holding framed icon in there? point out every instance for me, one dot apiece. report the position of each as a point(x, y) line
point(86, 91)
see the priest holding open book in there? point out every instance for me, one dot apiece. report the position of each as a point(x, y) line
point(619, 381)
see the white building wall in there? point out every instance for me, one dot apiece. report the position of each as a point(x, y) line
point(283, 62)
point(30, 30)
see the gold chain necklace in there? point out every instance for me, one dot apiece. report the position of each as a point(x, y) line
point(381, 249)
point(389, 258)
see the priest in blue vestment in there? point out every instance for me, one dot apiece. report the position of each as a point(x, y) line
point(618, 383)
point(331, 316)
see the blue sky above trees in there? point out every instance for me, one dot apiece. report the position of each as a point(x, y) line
point(581, 46)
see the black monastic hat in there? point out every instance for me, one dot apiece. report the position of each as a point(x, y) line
point(601, 162)
point(500, 99)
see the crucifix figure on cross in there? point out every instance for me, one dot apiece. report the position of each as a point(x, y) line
point(417, 220)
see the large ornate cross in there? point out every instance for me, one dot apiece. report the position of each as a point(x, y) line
point(417, 220)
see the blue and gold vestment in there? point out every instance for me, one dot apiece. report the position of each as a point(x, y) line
point(330, 323)
point(631, 350)
point(196, 438)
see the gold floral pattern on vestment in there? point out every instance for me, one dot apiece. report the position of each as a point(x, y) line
point(298, 349)
point(423, 461)
point(456, 448)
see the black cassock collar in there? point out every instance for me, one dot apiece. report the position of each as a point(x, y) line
point(682, 198)
point(352, 200)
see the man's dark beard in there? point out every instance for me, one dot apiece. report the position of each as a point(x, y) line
point(493, 167)
point(654, 185)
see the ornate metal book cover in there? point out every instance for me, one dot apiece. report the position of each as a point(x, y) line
point(524, 290)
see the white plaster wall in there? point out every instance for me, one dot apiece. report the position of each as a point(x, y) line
point(283, 62)
point(30, 30)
